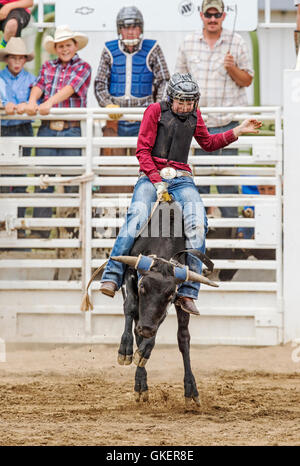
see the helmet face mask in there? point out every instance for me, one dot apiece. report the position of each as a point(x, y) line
point(183, 90)
point(128, 17)
point(127, 23)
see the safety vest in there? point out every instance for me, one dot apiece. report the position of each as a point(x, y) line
point(174, 135)
point(130, 75)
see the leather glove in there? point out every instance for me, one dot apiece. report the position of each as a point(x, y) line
point(114, 116)
point(248, 212)
point(162, 191)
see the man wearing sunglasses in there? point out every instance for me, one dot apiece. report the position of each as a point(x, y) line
point(219, 61)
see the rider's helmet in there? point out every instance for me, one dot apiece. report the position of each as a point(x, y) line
point(182, 87)
point(130, 16)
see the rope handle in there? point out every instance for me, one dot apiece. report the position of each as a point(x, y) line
point(45, 180)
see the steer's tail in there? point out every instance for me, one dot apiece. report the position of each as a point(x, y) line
point(86, 303)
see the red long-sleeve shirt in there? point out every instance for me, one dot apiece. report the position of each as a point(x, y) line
point(4, 2)
point(147, 135)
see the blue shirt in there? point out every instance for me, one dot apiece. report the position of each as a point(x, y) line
point(16, 89)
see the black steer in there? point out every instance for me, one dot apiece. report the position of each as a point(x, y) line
point(151, 282)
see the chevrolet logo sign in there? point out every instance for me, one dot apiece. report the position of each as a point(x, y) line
point(84, 10)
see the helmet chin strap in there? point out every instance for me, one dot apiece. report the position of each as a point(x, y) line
point(183, 115)
point(131, 42)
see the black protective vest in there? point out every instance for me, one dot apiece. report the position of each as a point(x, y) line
point(174, 135)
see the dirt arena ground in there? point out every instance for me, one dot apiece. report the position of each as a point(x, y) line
point(79, 395)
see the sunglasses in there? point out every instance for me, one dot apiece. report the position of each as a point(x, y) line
point(210, 15)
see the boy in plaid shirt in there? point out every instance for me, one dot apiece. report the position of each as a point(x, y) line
point(62, 82)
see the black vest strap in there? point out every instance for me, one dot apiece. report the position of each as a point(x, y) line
point(174, 135)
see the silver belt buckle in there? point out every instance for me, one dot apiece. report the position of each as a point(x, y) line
point(168, 173)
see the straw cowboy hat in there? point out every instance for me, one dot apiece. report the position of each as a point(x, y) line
point(63, 33)
point(15, 46)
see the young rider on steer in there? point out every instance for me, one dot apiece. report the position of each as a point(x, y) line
point(163, 146)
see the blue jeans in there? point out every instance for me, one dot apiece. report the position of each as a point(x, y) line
point(248, 233)
point(185, 193)
point(45, 131)
point(128, 128)
point(226, 212)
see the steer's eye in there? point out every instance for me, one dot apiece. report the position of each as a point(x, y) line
point(142, 288)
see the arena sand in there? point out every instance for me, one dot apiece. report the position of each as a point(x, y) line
point(79, 395)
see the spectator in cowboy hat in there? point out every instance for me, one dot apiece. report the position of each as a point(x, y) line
point(14, 95)
point(62, 82)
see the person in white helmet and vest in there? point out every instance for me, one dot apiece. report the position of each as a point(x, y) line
point(132, 72)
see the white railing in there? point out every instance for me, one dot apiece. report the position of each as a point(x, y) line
point(260, 162)
point(41, 24)
point(269, 24)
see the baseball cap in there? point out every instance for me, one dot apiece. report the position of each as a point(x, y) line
point(218, 4)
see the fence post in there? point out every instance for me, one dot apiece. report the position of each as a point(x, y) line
point(87, 216)
point(291, 196)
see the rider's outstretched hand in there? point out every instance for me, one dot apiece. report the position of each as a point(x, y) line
point(251, 125)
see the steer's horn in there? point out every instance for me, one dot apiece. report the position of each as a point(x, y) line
point(196, 277)
point(128, 260)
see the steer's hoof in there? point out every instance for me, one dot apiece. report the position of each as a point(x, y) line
point(189, 402)
point(128, 359)
point(197, 400)
point(121, 359)
point(141, 395)
point(124, 360)
point(139, 360)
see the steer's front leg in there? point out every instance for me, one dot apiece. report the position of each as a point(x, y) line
point(140, 386)
point(141, 356)
point(183, 337)
point(125, 353)
point(145, 347)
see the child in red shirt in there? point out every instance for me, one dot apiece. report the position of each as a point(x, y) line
point(14, 16)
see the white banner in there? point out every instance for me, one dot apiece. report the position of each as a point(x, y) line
point(159, 15)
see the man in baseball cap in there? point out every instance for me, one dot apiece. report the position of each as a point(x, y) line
point(219, 61)
point(218, 4)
